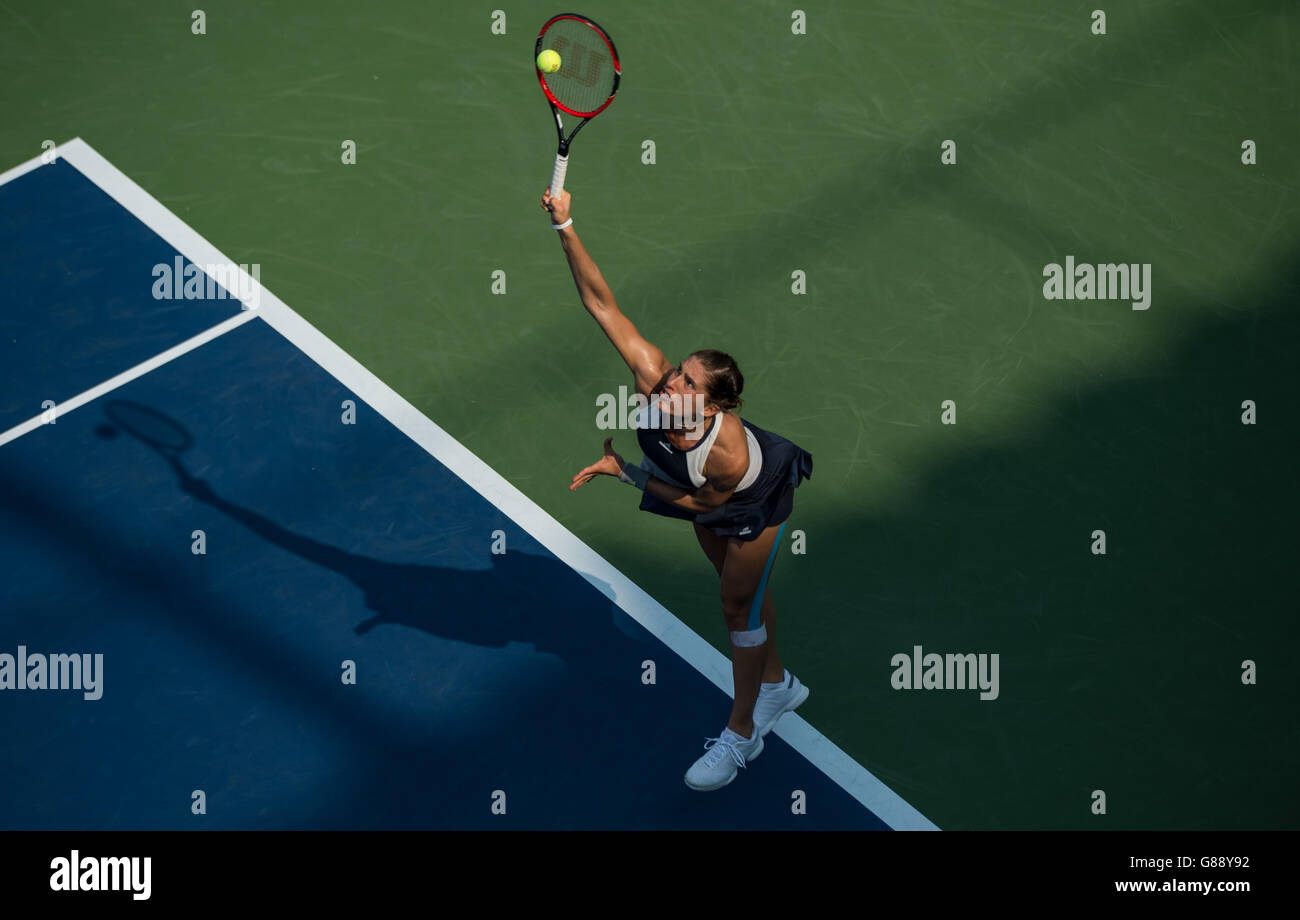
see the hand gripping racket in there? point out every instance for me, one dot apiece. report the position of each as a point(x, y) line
point(585, 84)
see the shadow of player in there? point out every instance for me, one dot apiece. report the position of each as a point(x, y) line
point(518, 597)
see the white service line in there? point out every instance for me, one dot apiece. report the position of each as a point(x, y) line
point(815, 747)
point(126, 376)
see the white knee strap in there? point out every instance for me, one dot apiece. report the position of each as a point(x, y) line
point(751, 638)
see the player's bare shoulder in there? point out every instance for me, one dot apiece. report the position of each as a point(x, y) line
point(728, 459)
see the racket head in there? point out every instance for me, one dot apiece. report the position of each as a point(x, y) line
point(589, 73)
point(149, 426)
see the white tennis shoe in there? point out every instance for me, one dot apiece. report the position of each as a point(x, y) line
point(772, 704)
point(726, 755)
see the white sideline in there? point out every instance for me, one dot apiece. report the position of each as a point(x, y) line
point(820, 751)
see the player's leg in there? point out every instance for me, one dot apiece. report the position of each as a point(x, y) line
point(745, 574)
point(744, 571)
point(781, 691)
point(773, 670)
point(714, 546)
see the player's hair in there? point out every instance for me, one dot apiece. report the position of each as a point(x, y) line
point(725, 379)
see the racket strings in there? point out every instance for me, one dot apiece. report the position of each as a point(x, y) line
point(586, 75)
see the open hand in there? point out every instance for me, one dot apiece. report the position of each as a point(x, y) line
point(609, 465)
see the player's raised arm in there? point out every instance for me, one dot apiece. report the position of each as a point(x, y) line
point(646, 361)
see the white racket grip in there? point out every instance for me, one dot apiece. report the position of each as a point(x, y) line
point(557, 177)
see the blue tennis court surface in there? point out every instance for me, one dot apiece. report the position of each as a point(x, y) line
point(76, 265)
point(327, 539)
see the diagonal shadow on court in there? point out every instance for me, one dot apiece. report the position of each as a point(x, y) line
point(1120, 672)
point(1167, 36)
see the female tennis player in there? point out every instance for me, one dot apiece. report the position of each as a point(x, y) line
point(733, 480)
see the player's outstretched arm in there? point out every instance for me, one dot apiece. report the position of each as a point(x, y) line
point(646, 361)
point(716, 490)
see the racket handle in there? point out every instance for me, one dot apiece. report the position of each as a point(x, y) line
point(557, 177)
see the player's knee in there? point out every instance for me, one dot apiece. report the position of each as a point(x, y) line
point(735, 608)
point(736, 623)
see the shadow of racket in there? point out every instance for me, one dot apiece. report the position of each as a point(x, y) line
point(160, 433)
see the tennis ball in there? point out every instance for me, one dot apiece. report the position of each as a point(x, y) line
point(548, 61)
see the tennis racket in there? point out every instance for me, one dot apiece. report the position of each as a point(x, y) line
point(585, 84)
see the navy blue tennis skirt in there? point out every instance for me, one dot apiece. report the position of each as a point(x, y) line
point(764, 504)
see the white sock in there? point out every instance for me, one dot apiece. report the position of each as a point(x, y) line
point(777, 686)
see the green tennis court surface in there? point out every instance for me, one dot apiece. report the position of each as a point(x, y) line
point(820, 153)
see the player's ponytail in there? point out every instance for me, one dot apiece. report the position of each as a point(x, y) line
point(725, 379)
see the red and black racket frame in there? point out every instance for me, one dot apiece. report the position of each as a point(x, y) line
point(556, 105)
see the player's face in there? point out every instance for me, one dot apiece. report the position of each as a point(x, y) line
point(686, 381)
